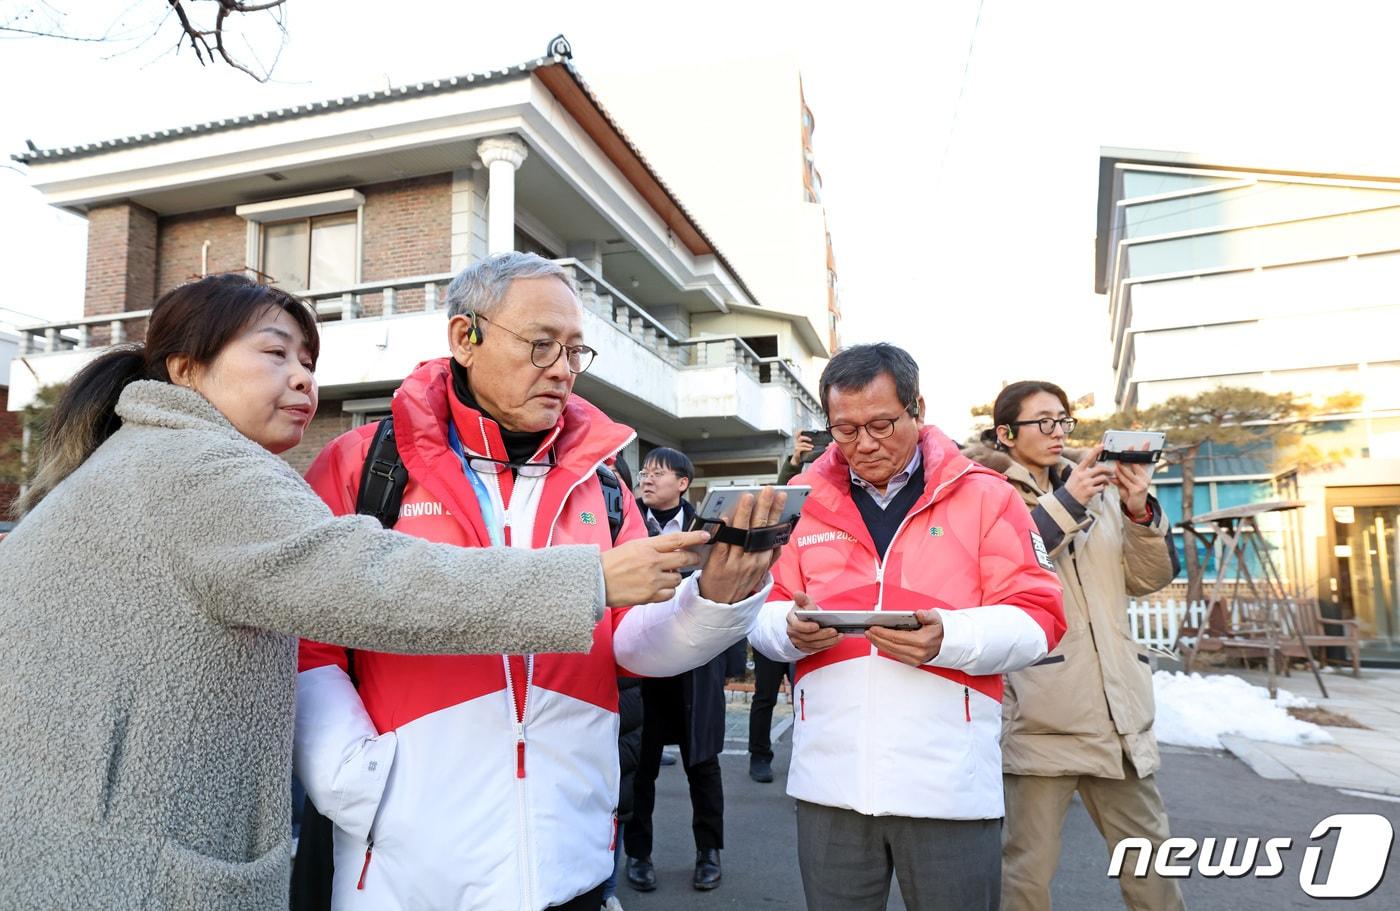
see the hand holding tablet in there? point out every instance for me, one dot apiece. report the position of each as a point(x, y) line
point(910, 637)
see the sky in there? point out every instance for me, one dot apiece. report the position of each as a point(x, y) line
point(958, 140)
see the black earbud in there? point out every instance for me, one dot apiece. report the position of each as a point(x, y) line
point(474, 331)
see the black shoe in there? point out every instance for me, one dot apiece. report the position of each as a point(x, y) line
point(706, 870)
point(641, 875)
point(760, 769)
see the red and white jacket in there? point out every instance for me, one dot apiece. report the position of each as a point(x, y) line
point(872, 734)
point(484, 781)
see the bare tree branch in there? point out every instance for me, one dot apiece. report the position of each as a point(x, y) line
point(209, 40)
point(35, 33)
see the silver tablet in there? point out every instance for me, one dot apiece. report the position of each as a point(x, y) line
point(858, 621)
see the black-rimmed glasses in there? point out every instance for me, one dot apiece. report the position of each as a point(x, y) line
point(484, 465)
point(1047, 425)
point(545, 352)
point(878, 429)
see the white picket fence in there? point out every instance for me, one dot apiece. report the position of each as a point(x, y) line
point(1155, 623)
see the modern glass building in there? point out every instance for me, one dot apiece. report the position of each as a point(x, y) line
point(1280, 279)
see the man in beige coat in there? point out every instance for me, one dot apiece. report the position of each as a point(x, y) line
point(1081, 718)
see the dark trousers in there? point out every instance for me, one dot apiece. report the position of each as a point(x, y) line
point(941, 864)
point(706, 797)
point(767, 677)
point(591, 900)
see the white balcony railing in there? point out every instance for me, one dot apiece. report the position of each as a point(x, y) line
point(377, 299)
point(611, 305)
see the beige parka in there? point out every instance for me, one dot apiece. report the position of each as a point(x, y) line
point(1088, 703)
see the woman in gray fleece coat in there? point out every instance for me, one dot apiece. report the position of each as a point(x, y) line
point(150, 597)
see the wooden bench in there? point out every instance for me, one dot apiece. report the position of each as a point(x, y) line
point(1244, 633)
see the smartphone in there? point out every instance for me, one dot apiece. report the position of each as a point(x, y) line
point(1126, 446)
point(820, 440)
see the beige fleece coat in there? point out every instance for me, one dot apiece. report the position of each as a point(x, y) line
point(1089, 702)
point(148, 609)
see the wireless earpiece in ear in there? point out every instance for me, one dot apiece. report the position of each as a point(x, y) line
point(474, 331)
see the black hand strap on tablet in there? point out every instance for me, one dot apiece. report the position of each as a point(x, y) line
point(752, 540)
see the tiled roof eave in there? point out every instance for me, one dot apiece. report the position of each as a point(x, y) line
point(363, 99)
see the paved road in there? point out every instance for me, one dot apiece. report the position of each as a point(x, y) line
point(1206, 794)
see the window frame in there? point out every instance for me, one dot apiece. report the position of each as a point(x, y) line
point(289, 209)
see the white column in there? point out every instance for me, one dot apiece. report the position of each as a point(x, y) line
point(501, 155)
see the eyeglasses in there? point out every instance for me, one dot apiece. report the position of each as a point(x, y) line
point(545, 352)
point(653, 475)
point(878, 429)
point(483, 465)
point(1047, 425)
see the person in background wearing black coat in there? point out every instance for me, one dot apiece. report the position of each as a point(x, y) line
point(687, 710)
point(629, 740)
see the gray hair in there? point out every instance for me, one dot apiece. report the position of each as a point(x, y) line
point(858, 366)
point(482, 286)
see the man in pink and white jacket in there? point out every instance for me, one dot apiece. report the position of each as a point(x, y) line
point(896, 764)
point(491, 781)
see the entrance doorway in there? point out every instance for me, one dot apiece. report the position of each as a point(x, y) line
point(1366, 563)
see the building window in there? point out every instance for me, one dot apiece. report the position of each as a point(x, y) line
point(317, 253)
point(306, 243)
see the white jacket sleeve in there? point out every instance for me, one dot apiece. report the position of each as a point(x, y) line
point(341, 760)
point(993, 639)
point(769, 633)
point(675, 636)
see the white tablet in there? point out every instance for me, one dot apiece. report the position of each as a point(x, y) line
point(858, 621)
point(721, 502)
point(1127, 445)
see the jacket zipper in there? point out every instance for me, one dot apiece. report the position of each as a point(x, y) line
point(519, 701)
point(802, 704)
point(369, 850)
point(880, 605)
point(967, 705)
point(518, 708)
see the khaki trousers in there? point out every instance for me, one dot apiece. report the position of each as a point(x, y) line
point(1035, 815)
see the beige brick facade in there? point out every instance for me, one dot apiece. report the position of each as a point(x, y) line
point(407, 231)
point(121, 259)
point(180, 246)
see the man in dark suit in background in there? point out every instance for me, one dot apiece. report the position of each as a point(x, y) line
point(687, 709)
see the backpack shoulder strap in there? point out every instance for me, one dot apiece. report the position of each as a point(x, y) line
point(612, 497)
point(384, 477)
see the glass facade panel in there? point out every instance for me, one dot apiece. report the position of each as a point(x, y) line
point(1150, 183)
point(1262, 202)
point(1293, 241)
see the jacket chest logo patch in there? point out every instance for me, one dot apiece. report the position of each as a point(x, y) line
point(587, 518)
point(936, 531)
point(1042, 556)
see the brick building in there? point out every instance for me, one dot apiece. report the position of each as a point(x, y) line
point(367, 205)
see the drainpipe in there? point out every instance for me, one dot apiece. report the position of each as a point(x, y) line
point(204, 260)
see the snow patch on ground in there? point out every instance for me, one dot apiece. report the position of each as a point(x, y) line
point(1194, 711)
